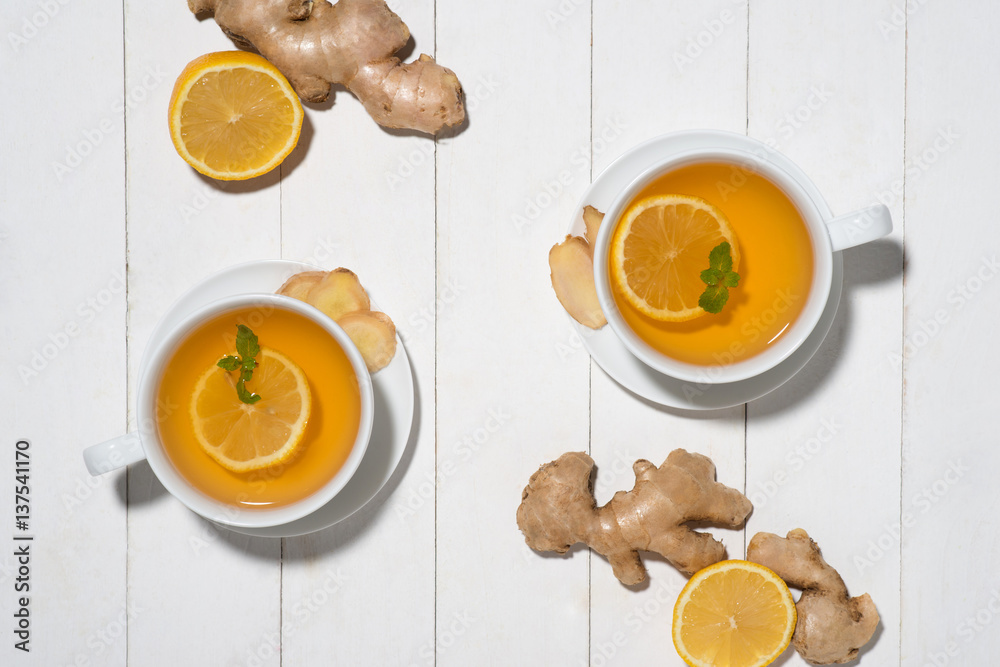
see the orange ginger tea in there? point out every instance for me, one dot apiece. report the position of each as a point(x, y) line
point(332, 427)
point(776, 268)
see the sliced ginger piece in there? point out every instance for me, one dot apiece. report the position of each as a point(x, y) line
point(298, 286)
point(572, 266)
point(374, 334)
point(338, 293)
point(592, 218)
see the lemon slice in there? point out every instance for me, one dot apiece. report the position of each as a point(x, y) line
point(243, 437)
point(659, 250)
point(233, 115)
point(733, 614)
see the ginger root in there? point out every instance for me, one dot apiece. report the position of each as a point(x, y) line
point(572, 272)
point(341, 297)
point(298, 285)
point(339, 293)
point(353, 42)
point(592, 218)
point(558, 510)
point(831, 626)
point(374, 334)
point(571, 264)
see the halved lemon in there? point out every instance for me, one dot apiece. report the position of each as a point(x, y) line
point(233, 115)
point(733, 614)
point(659, 250)
point(243, 436)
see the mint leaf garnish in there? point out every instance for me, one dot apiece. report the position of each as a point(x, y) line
point(229, 363)
point(712, 276)
point(714, 298)
point(719, 277)
point(247, 348)
point(720, 257)
point(246, 342)
point(241, 390)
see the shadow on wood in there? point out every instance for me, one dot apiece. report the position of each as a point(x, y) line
point(871, 264)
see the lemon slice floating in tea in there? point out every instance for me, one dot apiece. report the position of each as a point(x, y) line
point(233, 115)
point(242, 436)
point(659, 250)
point(733, 614)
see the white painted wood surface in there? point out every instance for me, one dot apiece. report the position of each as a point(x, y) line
point(823, 451)
point(629, 626)
point(880, 448)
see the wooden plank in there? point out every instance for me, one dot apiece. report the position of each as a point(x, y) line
point(363, 198)
point(949, 549)
point(217, 592)
point(507, 402)
point(823, 450)
point(658, 68)
point(62, 320)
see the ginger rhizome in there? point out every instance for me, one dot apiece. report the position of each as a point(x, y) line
point(592, 219)
point(831, 625)
point(374, 334)
point(353, 42)
point(341, 297)
point(572, 272)
point(338, 293)
point(558, 510)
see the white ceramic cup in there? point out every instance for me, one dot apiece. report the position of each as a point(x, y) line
point(145, 442)
point(827, 235)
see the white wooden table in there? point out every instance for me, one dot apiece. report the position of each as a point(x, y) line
point(881, 447)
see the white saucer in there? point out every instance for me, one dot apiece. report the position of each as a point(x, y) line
point(611, 354)
point(393, 390)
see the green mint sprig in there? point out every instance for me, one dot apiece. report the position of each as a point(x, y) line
point(718, 278)
point(246, 349)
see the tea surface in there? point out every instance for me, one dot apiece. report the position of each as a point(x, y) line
point(333, 423)
point(776, 268)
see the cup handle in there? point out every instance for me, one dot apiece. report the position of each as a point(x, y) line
point(868, 224)
point(113, 454)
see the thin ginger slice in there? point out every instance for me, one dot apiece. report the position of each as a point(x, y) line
point(298, 286)
point(374, 334)
point(592, 218)
point(572, 266)
point(338, 293)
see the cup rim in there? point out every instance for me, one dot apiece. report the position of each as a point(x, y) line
point(739, 150)
point(196, 500)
